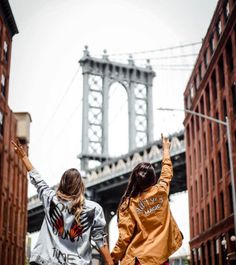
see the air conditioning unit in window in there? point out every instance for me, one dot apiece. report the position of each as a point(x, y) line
point(23, 126)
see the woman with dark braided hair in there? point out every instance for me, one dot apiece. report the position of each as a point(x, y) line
point(148, 233)
point(70, 222)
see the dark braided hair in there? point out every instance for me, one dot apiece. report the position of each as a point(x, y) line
point(142, 177)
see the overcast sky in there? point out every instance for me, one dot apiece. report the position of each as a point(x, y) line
point(46, 80)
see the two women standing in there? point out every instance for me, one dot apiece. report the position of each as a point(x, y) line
point(148, 234)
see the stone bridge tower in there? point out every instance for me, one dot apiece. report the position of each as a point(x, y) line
point(98, 76)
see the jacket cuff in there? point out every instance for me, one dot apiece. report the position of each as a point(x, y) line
point(34, 176)
point(101, 241)
point(166, 161)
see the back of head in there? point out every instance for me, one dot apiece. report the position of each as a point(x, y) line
point(142, 177)
point(71, 188)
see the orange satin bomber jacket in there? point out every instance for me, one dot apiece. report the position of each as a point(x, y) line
point(147, 229)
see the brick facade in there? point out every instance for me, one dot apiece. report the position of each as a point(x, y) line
point(13, 178)
point(211, 90)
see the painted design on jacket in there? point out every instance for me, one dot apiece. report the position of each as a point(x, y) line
point(64, 259)
point(56, 220)
point(149, 205)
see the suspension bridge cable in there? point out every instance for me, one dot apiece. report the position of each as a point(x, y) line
point(164, 57)
point(158, 50)
point(59, 104)
point(50, 148)
point(173, 69)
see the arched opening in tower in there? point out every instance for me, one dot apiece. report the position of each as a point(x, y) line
point(118, 138)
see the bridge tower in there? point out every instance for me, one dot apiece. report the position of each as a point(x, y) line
point(98, 76)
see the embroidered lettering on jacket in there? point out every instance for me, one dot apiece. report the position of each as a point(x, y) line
point(150, 205)
point(66, 259)
point(56, 221)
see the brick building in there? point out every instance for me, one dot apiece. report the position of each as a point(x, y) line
point(211, 90)
point(13, 178)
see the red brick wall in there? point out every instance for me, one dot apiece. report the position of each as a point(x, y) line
point(208, 172)
point(13, 177)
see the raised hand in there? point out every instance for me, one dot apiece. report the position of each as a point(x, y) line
point(22, 155)
point(165, 143)
point(19, 149)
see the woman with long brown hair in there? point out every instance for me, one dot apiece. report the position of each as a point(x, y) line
point(148, 233)
point(70, 222)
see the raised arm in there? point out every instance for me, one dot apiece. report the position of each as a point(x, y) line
point(44, 191)
point(22, 155)
point(167, 168)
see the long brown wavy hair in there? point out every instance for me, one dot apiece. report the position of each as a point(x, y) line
point(71, 188)
point(142, 177)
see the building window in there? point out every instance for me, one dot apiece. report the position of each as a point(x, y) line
point(188, 136)
point(217, 127)
point(226, 11)
point(191, 196)
point(213, 85)
point(213, 173)
point(208, 105)
point(212, 46)
point(209, 252)
point(201, 186)
point(220, 165)
point(231, 209)
point(190, 165)
point(202, 107)
point(224, 108)
point(3, 85)
point(207, 180)
point(205, 59)
point(196, 191)
point(229, 55)
point(211, 133)
point(192, 126)
point(221, 71)
point(222, 205)
point(1, 123)
point(197, 225)
point(200, 72)
point(193, 225)
point(227, 155)
point(186, 102)
point(208, 216)
point(203, 226)
point(199, 152)
point(195, 82)
point(5, 51)
point(192, 92)
point(197, 120)
point(218, 28)
point(205, 144)
point(189, 102)
point(234, 97)
point(216, 251)
point(214, 211)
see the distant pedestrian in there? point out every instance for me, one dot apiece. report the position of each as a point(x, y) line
point(70, 222)
point(148, 233)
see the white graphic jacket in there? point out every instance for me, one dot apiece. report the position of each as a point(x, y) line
point(61, 240)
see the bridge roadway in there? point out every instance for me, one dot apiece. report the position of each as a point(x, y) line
point(107, 182)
